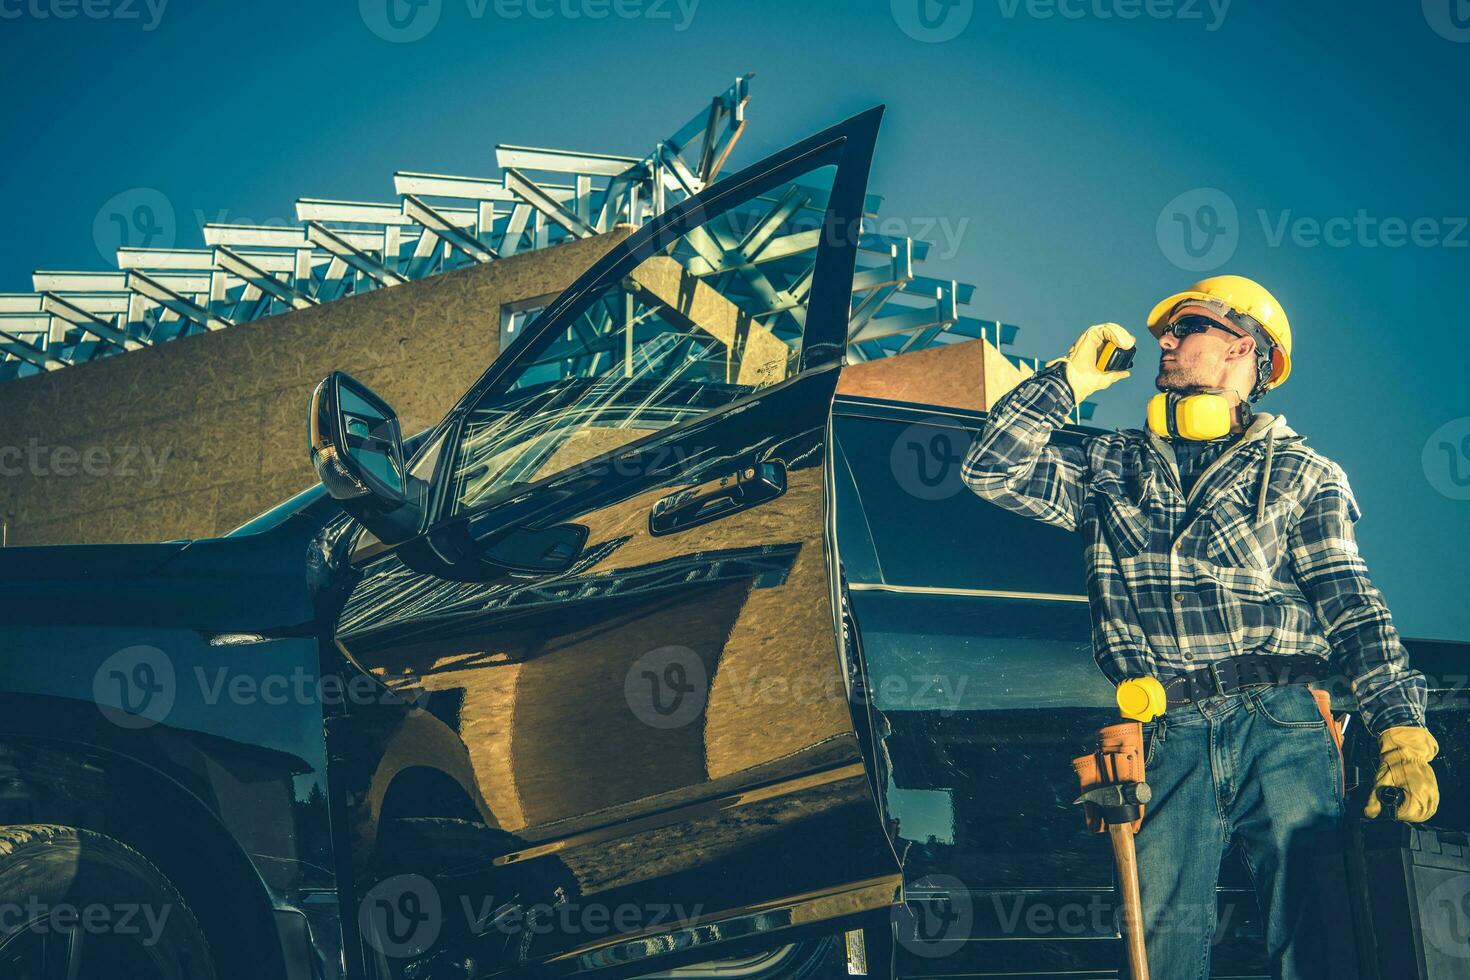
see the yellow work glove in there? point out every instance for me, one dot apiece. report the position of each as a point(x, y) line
point(1403, 761)
point(1082, 371)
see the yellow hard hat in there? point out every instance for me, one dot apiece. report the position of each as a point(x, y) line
point(1243, 296)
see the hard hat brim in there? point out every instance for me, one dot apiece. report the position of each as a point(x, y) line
point(1159, 318)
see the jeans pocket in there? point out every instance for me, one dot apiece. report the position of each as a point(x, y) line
point(1290, 707)
point(1340, 768)
point(1152, 736)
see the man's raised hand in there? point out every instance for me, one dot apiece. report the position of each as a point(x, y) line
point(1083, 373)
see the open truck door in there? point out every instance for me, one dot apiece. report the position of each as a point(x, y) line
point(612, 642)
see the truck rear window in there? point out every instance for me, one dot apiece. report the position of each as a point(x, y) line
point(904, 518)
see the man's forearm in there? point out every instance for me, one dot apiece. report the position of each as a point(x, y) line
point(1369, 651)
point(1011, 462)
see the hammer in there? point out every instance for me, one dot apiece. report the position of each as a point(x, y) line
point(1118, 803)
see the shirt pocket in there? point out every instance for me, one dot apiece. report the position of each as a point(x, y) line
point(1237, 540)
point(1124, 524)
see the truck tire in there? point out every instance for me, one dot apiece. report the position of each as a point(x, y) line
point(77, 904)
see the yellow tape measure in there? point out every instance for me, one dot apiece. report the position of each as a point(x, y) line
point(1141, 698)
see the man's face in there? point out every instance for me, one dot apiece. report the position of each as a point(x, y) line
point(1197, 360)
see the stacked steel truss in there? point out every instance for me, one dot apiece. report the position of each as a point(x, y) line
point(439, 222)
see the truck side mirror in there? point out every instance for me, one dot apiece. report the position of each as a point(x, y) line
point(357, 449)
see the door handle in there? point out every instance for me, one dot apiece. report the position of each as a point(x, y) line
point(522, 549)
point(718, 498)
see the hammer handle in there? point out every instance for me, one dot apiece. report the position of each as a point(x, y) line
point(1126, 859)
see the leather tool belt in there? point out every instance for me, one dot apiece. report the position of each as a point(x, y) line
point(1230, 675)
point(1118, 759)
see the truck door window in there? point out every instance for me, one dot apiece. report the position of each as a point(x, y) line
point(717, 313)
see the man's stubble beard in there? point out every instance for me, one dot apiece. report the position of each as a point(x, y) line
point(1173, 378)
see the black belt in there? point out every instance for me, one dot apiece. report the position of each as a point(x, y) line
point(1228, 676)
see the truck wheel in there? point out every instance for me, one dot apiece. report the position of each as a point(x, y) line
point(77, 905)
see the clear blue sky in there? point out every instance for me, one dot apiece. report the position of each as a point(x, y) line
point(1043, 145)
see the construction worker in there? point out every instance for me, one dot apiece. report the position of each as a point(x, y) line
point(1221, 560)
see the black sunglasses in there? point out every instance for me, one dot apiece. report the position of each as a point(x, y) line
point(1194, 323)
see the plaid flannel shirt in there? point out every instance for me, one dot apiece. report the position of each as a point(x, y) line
point(1259, 558)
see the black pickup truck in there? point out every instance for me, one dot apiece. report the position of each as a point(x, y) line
point(656, 657)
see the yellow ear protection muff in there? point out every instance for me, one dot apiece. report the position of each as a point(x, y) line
point(1199, 413)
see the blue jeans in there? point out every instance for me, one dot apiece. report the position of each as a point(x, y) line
point(1258, 768)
